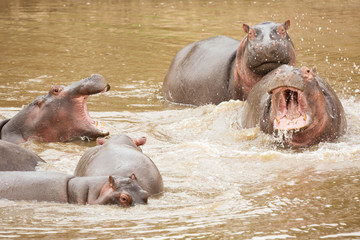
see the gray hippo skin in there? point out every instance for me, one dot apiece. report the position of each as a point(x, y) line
point(295, 105)
point(59, 116)
point(120, 156)
point(16, 158)
point(59, 187)
point(221, 68)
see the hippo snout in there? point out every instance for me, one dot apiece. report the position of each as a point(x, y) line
point(263, 58)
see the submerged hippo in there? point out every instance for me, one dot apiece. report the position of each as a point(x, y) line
point(59, 116)
point(59, 187)
point(221, 68)
point(16, 158)
point(120, 156)
point(295, 105)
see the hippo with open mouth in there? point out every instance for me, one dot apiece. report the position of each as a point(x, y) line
point(60, 116)
point(221, 68)
point(296, 106)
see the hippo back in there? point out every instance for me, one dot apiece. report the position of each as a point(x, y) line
point(40, 186)
point(17, 158)
point(202, 72)
point(120, 157)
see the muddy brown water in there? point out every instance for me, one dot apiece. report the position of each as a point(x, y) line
point(221, 181)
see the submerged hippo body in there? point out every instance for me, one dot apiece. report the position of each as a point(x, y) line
point(59, 116)
point(58, 187)
point(221, 68)
point(296, 106)
point(16, 158)
point(119, 156)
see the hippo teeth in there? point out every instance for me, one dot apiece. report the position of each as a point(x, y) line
point(290, 115)
point(291, 124)
point(100, 126)
point(96, 124)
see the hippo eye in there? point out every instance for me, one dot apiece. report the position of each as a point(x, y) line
point(56, 90)
point(125, 199)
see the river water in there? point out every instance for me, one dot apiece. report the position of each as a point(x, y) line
point(221, 181)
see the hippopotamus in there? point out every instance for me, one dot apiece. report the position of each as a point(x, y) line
point(220, 68)
point(65, 188)
point(119, 156)
point(59, 116)
point(295, 105)
point(16, 158)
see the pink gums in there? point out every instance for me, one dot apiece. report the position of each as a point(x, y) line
point(86, 116)
point(290, 109)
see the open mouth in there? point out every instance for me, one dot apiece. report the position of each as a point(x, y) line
point(290, 105)
point(99, 126)
point(96, 127)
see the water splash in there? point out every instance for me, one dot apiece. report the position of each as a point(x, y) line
point(282, 137)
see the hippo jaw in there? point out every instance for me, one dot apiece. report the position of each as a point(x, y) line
point(298, 114)
point(90, 128)
point(263, 60)
point(60, 116)
point(266, 67)
point(69, 106)
point(291, 110)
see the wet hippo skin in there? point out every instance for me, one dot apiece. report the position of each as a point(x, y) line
point(16, 158)
point(296, 105)
point(120, 156)
point(59, 116)
point(221, 68)
point(64, 188)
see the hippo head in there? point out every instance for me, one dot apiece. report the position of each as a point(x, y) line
point(124, 192)
point(61, 115)
point(268, 46)
point(301, 109)
point(265, 47)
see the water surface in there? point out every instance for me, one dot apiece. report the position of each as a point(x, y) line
point(221, 181)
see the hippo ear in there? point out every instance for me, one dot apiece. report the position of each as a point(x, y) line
point(246, 28)
point(313, 70)
point(100, 141)
point(39, 101)
point(112, 182)
point(287, 24)
point(133, 177)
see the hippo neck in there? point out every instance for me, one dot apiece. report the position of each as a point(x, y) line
point(82, 190)
point(244, 78)
point(2, 124)
point(231, 78)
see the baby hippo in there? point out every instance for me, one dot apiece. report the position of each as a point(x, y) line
point(59, 187)
point(120, 156)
